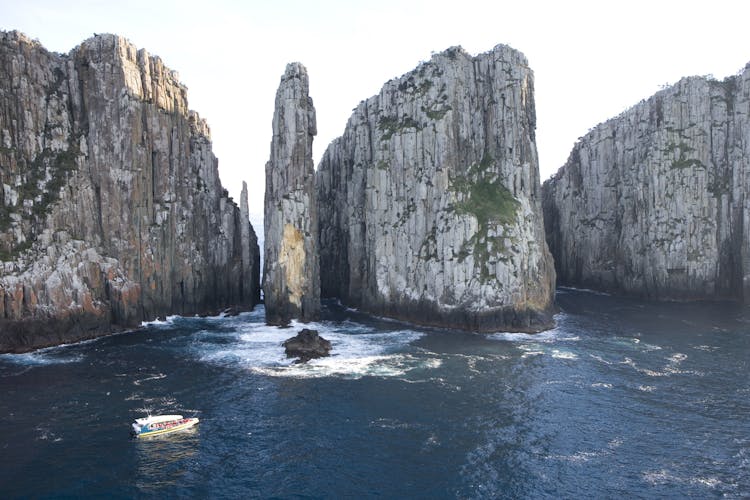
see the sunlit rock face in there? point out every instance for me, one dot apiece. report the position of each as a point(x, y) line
point(430, 203)
point(111, 209)
point(291, 278)
point(653, 202)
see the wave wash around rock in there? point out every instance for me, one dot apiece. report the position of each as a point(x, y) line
point(111, 209)
point(430, 203)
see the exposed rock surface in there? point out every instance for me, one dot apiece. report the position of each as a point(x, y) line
point(307, 345)
point(111, 209)
point(430, 203)
point(250, 280)
point(291, 278)
point(654, 202)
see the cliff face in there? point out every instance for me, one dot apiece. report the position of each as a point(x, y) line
point(111, 210)
point(653, 202)
point(430, 204)
point(291, 278)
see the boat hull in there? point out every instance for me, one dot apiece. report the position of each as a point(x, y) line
point(168, 429)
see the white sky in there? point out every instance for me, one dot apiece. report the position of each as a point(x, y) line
point(591, 59)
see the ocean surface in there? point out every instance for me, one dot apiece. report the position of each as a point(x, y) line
point(623, 398)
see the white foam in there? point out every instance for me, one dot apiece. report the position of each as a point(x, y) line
point(600, 359)
point(578, 457)
point(335, 366)
point(602, 385)
point(553, 335)
point(664, 476)
point(157, 376)
point(532, 353)
point(585, 290)
point(155, 323)
point(556, 353)
point(168, 321)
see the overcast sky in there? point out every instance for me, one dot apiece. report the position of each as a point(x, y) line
point(591, 60)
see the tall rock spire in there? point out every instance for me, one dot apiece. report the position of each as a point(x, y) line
point(291, 276)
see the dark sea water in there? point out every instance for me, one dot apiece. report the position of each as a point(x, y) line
point(623, 399)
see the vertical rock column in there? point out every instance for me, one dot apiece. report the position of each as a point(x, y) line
point(250, 259)
point(291, 276)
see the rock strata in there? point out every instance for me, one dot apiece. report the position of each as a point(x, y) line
point(111, 208)
point(430, 203)
point(291, 278)
point(306, 345)
point(654, 202)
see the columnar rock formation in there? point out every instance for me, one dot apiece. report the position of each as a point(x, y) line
point(111, 210)
point(430, 203)
point(654, 202)
point(291, 278)
point(250, 280)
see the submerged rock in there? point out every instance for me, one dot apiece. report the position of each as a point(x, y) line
point(430, 202)
point(111, 208)
point(652, 202)
point(306, 345)
point(291, 277)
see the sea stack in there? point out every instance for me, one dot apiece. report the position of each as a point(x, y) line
point(654, 202)
point(430, 202)
point(111, 208)
point(291, 277)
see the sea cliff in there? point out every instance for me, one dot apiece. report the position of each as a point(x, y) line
point(654, 202)
point(111, 209)
point(429, 204)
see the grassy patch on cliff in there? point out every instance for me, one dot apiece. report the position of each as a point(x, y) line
point(682, 161)
point(487, 200)
point(389, 125)
point(44, 176)
point(491, 203)
point(436, 114)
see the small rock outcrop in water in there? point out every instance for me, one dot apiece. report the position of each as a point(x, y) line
point(653, 202)
point(111, 208)
point(430, 203)
point(307, 345)
point(291, 278)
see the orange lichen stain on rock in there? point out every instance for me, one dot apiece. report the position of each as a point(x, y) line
point(87, 303)
point(292, 261)
point(17, 302)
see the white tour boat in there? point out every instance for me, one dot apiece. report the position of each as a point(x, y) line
point(161, 424)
